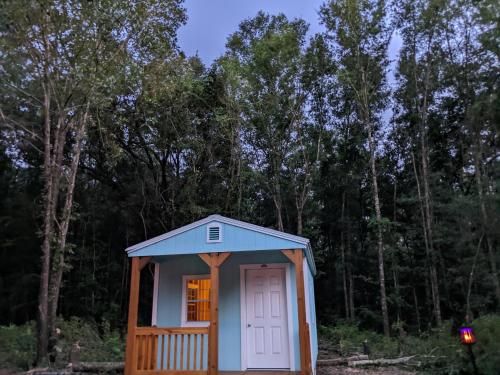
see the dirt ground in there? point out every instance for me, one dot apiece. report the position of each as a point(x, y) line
point(344, 370)
point(333, 370)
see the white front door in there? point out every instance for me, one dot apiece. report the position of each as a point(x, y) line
point(267, 319)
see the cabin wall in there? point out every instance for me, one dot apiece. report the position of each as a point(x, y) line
point(311, 312)
point(169, 301)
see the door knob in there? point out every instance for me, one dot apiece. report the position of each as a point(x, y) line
point(249, 325)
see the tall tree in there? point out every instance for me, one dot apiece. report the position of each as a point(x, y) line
point(421, 24)
point(316, 85)
point(60, 60)
point(472, 72)
point(267, 54)
point(359, 35)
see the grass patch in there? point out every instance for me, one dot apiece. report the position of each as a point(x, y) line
point(17, 346)
point(98, 343)
point(438, 351)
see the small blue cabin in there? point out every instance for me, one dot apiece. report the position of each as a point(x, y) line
point(229, 296)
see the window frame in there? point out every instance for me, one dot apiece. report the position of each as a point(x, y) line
point(184, 321)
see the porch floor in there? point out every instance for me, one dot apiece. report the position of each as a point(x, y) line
point(259, 372)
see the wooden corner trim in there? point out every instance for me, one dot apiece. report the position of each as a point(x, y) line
point(290, 254)
point(206, 258)
point(143, 262)
point(295, 256)
point(214, 259)
point(222, 257)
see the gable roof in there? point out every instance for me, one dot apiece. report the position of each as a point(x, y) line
point(286, 238)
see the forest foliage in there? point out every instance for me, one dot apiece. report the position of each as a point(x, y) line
point(389, 161)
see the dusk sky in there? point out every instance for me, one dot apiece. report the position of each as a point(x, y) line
point(210, 22)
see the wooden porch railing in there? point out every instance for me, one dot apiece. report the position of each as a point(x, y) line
point(170, 351)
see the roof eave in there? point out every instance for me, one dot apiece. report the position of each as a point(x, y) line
point(241, 224)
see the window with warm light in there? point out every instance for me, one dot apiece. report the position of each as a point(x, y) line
point(196, 300)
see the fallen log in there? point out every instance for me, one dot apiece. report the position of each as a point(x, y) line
point(380, 362)
point(97, 366)
point(340, 361)
point(48, 371)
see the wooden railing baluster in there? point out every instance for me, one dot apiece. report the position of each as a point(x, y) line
point(155, 352)
point(188, 357)
point(182, 353)
point(162, 351)
point(136, 350)
point(202, 341)
point(175, 352)
point(168, 352)
point(194, 350)
point(139, 353)
point(148, 352)
point(145, 352)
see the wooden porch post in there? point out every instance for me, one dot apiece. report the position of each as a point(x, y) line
point(133, 305)
point(296, 257)
point(214, 261)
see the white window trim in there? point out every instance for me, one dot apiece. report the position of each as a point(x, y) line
point(154, 313)
point(214, 225)
point(184, 321)
point(243, 311)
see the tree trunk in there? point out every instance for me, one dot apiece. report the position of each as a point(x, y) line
point(279, 218)
point(302, 196)
point(428, 223)
point(417, 313)
point(42, 329)
point(468, 310)
point(240, 190)
point(278, 202)
point(59, 255)
point(299, 221)
point(397, 292)
point(380, 243)
point(344, 276)
point(430, 256)
point(425, 198)
point(342, 257)
point(234, 171)
point(349, 272)
point(394, 261)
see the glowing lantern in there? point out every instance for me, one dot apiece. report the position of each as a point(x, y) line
point(467, 336)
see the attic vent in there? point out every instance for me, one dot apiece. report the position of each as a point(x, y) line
point(214, 233)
